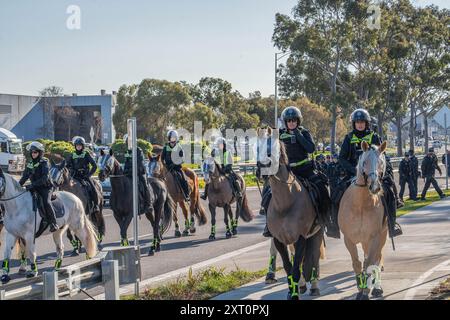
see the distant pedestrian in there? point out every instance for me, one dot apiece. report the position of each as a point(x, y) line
point(415, 173)
point(429, 166)
point(405, 174)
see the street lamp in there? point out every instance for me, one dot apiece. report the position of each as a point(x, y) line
point(283, 54)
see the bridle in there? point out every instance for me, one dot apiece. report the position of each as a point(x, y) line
point(3, 188)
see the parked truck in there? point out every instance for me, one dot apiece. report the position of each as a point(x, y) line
point(12, 159)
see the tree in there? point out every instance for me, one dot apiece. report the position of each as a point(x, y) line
point(125, 108)
point(185, 118)
point(157, 102)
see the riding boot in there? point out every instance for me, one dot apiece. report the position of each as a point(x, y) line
point(184, 186)
point(236, 187)
point(266, 232)
point(266, 197)
point(394, 228)
point(94, 196)
point(205, 193)
point(333, 226)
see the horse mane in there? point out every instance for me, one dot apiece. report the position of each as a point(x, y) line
point(14, 182)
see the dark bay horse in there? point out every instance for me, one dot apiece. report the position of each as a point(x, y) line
point(122, 201)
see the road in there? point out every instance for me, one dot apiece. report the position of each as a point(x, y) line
point(177, 253)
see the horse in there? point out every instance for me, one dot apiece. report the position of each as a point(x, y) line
point(21, 222)
point(291, 218)
point(362, 220)
point(220, 194)
point(158, 170)
point(122, 202)
point(60, 177)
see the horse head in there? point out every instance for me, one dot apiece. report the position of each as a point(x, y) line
point(269, 152)
point(155, 166)
point(108, 165)
point(371, 166)
point(208, 169)
point(58, 172)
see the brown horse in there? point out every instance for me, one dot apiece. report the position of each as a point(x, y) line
point(291, 218)
point(220, 194)
point(362, 220)
point(158, 170)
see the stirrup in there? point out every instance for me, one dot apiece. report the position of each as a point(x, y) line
point(395, 231)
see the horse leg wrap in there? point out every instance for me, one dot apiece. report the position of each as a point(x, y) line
point(187, 223)
point(213, 230)
point(5, 266)
point(314, 275)
point(234, 223)
point(293, 286)
point(272, 264)
point(58, 263)
point(33, 267)
point(23, 258)
point(361, 280)
point(74, 244)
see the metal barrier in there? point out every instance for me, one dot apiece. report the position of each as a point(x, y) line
point(111, 268)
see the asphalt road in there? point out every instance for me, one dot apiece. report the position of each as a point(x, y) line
point(175, 253)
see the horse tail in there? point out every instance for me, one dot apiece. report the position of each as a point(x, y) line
point(245, 213)
point(322, 250)
point(90, 239)
point(199, 211)
point(170, 208)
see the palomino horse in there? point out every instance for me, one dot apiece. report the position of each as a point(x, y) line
point(220, 194)
point(158, 170)
point(61, 179)
point(362, 220)
point(22, 222)
point(122, 202)
point(291, 217)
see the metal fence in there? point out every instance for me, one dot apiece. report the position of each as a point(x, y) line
point(111, 268)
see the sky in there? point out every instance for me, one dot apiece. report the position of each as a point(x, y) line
point(122, 42)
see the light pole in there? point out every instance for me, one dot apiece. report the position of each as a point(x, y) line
point(283, 54)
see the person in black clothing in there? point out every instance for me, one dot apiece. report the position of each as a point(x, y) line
point(334, 173)
point(299, 144)
point(320, 163)
point(349, 155)
point(415, 173)
point(429, 166)
point(405, 173)
point(37, 171)
point(78, 165)
point(143, 186)
point(172, 157)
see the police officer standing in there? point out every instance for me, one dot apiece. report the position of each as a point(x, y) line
point(405, 173)
point(429, 166)
point(415, 173)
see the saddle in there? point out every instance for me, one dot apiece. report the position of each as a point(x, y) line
point(88, 189)
point(314, 195)
point(38, 205)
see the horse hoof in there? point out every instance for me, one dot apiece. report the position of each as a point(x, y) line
point(32, 274)
point(314, 292)
point(22, 271)
point(228, 235)
point(292, 297)
point(193, 230)
point(377, 293)
point(158, 249)
point(5, 278)
point(151, 253)
point(234, 231)
point(382, 268)
point(75, 253)
point(185, 233)
point(362, 296)
point(303, 289)
point(270, 278)
point(177, 233)
point(212, 237)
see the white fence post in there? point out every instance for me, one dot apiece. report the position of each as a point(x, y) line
point(110, 271)
point(2, 295)
point(50, 286)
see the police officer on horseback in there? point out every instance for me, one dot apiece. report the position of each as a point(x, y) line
point(349, 155)
point(37, 171)
point(143, 187)
point(225, 159)
point(78, 165)
point(299, 144)
point(172, 157)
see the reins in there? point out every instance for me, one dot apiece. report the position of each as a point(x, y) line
point(14, 197)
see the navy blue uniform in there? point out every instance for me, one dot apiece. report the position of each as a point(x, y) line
point(405, 173)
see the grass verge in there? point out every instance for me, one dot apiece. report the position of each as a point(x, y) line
point(200, 286)
point(410, 205)
point(441, 292)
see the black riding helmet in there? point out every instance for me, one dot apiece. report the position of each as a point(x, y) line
point(291, 113)
point(360, 115)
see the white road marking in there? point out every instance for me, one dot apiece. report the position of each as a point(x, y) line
point(420, 281)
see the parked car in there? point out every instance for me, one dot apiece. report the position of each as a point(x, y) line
point(106, 187)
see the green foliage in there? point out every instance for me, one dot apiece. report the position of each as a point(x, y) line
point(61, 148)
point(120, 148)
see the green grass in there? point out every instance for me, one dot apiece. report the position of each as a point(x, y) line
point(250, 181)
point(201, 286)
point(410, 205)
point(441, 292)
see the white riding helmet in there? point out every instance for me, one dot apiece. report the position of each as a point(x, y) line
point(219, 141)
point(172, 136)
point(36, 145)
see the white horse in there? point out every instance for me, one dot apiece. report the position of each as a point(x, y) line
point(21, 223)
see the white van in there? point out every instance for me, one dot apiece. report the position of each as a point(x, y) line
point(11, 155)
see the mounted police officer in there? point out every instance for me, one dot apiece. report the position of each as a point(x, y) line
point(429, 166)
point(299, 144)
point(143, 187)
point(172, 157)
point(225, 159)
point(349, 155)
point(37, 171)
point(405, 173)
point(78, 165)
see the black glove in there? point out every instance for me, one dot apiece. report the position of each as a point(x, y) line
point(29, 187)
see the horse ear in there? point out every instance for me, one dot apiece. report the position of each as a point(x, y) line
point(365, 146)
point(111, 152)
point(158, 157)
point(269, 131)
point(383, 147)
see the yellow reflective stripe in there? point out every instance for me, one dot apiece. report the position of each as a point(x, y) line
point(76, 156)
point(285, 135)
point(300, 163)
point(367, 139)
